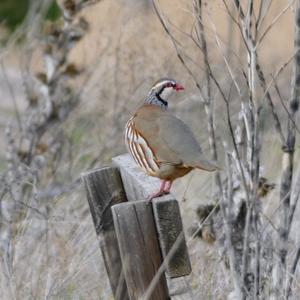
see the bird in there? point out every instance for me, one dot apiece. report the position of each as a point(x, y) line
point(159, 142)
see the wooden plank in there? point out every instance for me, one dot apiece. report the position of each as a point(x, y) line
point(139, 249)
point(104, 188)
point(171, 237)
point(138, 185)
point(180, 289)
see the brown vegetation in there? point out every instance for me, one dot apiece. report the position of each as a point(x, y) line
point(67, 91)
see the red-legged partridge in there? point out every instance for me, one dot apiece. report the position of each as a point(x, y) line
point(160, 143)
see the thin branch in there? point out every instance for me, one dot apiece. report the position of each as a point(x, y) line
point(291, 273)
point(284, 106)
point(263, 13)
point(276, 119)
point(274, 21)
point(13, 96)
point(163, 23)
point(288, 161)
point(225, 60)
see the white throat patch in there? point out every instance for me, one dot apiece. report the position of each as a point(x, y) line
point(166, 93)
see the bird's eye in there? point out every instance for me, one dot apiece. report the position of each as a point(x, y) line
point(169, 84)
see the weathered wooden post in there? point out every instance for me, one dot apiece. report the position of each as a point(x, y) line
point(171, 237)
point(104, 188)
point(165, 214)
point(139, 239)
point(139, 249)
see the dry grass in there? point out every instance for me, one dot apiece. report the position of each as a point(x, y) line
point(126, 49)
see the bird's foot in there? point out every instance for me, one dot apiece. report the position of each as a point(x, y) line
point(157, 194)
point(164, 190)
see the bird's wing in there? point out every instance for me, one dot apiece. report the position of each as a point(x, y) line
point(146, 123)
point(181, 140)
point(171, 140)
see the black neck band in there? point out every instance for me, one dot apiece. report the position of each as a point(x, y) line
point(162, 100)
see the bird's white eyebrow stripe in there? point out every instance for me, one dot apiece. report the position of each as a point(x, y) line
point(162, 83)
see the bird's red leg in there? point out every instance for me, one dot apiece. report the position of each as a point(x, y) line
point(168, 187)
point(164, 189)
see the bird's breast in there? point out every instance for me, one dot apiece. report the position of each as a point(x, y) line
point(144, 155)
point(140, 150)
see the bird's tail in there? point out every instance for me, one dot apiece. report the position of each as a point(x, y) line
point(207, 165)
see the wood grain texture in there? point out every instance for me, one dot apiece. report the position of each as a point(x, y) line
point(171, 237)
point(104, 188)
point(138, 185)
point(139, 249)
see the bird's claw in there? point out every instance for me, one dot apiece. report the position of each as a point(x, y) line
point(158, 194)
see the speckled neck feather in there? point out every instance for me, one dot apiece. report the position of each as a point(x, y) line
point(155, 99)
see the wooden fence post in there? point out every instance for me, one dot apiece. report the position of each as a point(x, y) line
point(104, 189)
point(139, 240)
point(167, 220)
point(139, 248)
point(171, 237)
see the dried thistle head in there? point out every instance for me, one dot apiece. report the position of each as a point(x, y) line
point(203, 211)
point(52, 29)
point(83, 24)
point(71, 70)
point(42, 77)
point(207, 234)
point(206, 230)
point(264, 187)
point(68, 7)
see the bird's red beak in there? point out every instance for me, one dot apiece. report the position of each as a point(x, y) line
point(179, 87)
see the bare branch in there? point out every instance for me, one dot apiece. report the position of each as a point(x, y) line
point(275, 20)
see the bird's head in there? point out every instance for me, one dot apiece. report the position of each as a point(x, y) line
point(165, 87)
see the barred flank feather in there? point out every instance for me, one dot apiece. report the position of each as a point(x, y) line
point(139, 149)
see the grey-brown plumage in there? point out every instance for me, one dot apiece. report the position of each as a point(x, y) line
point(172, 142)
point(163, 145)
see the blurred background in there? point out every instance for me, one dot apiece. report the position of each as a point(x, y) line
point(113, 54)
